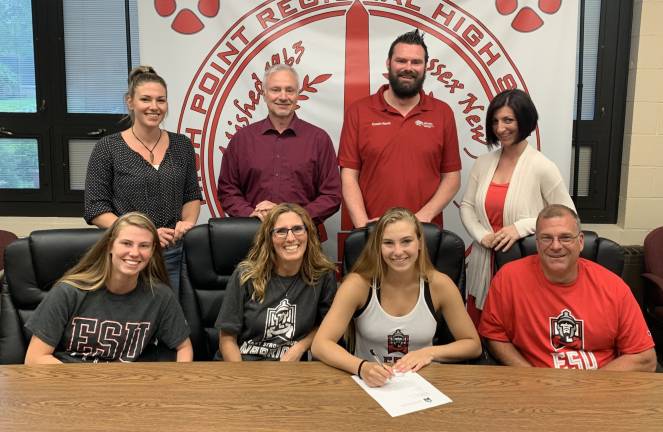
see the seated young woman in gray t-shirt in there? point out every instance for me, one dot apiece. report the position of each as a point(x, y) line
point(112, 304)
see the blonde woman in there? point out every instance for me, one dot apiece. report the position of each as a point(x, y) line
point(112, 304)
point(395, 297)
point(147, 169)
point(277, 297)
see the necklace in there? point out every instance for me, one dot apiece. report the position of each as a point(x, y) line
point(151, 150)
point(282, 285)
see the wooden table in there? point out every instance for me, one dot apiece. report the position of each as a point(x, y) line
point(313, 397)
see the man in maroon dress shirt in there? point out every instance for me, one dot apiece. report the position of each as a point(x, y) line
point(280, 159)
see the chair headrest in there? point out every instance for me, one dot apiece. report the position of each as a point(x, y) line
point(231, 239)
point(56, 251)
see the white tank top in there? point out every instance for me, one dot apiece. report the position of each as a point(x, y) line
point(391, 337)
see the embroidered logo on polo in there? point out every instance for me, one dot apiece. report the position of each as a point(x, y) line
point(427, 125)
point(567, 341)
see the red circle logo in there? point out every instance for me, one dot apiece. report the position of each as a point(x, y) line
point(187, 21)
point(527, 19)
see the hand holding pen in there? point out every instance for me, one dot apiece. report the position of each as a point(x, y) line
point(375, 374)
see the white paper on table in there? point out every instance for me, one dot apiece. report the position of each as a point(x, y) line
point(405, 393)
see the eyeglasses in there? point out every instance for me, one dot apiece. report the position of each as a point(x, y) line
point(565, 239)
point(283, 231)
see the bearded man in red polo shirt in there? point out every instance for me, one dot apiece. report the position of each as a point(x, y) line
point(280, 159)
point(399, 147)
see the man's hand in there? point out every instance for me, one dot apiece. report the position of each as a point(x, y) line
point(423, 216)
point(262, 209)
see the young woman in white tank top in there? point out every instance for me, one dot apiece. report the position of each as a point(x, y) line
point(383, 295)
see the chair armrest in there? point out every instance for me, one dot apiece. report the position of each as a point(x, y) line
point(654, 295)
point(655, 291)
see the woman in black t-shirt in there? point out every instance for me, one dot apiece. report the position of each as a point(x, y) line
point(277, 297)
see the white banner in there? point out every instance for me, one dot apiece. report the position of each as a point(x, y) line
point(213, 54)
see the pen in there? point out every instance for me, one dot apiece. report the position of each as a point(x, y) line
point(377, 359)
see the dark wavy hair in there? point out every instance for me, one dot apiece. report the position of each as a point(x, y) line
point(523, 108)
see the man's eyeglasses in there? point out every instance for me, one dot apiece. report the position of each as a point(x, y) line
point(283, 232)
point(565, 239)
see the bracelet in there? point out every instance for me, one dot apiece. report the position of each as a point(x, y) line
point(359, 368)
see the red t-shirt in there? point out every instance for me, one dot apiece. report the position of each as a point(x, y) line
point(583, 325)
point(399, 159)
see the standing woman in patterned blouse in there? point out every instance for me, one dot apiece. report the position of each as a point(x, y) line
point(147, 169)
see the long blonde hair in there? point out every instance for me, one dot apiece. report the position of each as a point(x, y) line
point(94, 270)
point(261, 259)
point(370, 265)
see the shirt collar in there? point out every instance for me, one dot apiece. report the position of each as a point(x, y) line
point(266, 125)
point(424, 104)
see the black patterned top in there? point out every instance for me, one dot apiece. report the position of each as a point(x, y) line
point(120, 181)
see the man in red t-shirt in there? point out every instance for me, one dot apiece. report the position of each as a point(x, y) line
point(399, 147)
point(555, 309)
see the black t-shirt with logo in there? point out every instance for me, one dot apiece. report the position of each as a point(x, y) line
point(289, 311)
point(99, 326)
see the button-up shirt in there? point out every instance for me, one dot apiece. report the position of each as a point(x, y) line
point(295, 166)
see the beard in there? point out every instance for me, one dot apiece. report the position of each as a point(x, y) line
point(406, 89)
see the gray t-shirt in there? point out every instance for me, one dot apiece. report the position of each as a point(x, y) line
point(290, 311)
point(99, 326)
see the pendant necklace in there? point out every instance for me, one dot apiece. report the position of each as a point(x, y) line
point(292, 283)
point(146, 147)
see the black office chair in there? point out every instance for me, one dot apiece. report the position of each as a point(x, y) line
point(32, 265)
point(446, 251)
point(211, 253)
point(598, 249)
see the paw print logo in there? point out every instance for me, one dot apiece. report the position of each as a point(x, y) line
point(186, 21)
point(527, 19)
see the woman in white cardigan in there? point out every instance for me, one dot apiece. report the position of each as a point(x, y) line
point(506, 190)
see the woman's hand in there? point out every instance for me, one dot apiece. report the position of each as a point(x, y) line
point(166, 236)
point(181, 228)
point(488, 241)
point(505, 238)
point(294, 353)
point(375, 375)
point(413, 361)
